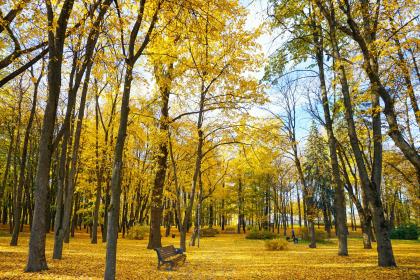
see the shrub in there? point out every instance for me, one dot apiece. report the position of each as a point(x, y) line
point(264, 234)
point(230, 229)
point(276, 245)
point(407, 232)
point(137, 232)
point(320, 235)
point(208, 232)
point(251, 227)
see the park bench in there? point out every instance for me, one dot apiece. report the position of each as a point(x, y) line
point(169, 255)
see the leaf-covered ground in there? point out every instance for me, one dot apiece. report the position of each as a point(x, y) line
point(222, 257)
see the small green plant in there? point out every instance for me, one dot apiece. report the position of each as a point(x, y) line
point(406, 232)
point(208, 232)
point(263, 234)
point(276, 245)
point(137, 232)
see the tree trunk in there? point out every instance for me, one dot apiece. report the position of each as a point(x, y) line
point(99, 174)
point(161, 158)
point(36, 257)
point(298, 204)
point(114, 208)
point(384, 248)
point(339, 196)
point(7, 167)
point(21, 182)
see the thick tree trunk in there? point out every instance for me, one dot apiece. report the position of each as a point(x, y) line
point(163, 79)
point(36, 257)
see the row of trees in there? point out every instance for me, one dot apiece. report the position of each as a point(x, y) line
point(68, 70)
point(116, 113)
point(364, 58)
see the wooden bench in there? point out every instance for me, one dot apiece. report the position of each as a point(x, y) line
point(169, 255)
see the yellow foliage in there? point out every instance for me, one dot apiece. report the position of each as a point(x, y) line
point(226, 256)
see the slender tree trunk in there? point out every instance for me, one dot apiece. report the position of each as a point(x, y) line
point(339, 196)
point(99, 172)
point(407, 78)
point(114, 208)
point(22, 182)
point(75, 215)
point(298, 204)
point(7, 167)
point(384, 248)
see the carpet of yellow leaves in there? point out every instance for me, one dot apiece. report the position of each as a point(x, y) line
point(222, 257)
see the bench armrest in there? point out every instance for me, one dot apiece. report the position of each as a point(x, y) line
point(179, 250)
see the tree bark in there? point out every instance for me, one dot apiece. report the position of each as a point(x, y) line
point(339, 196)
point(384, 248)
point(22, 182)
point(163, 78)
point(114, 207)
point(36, 257)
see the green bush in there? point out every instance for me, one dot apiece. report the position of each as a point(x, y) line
point(320, 235)
point(137, 232)
point(263, 234)
point(208, 232)
point(406, 232)
point(276, 245)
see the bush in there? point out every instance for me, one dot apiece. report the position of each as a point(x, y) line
point(276, 245)
point(320, 235)
point(230, 229)
point(208, 232)
point(251, 227)
point(264, 234)
point(137, 232)
point(406, 232)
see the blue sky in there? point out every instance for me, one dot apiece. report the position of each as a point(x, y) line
point(269, 42)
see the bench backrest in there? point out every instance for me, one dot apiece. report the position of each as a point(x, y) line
point(166, 252)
